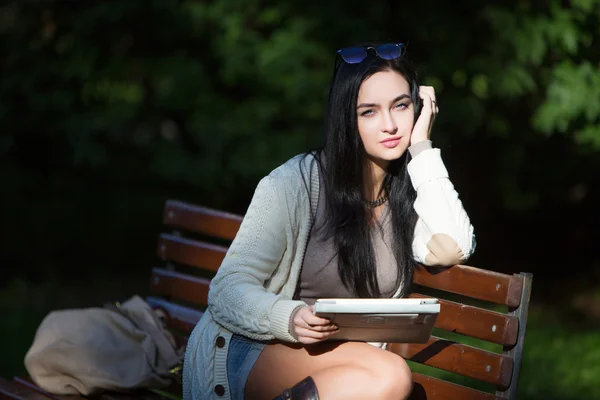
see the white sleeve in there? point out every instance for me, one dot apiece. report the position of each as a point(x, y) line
point(443, 233)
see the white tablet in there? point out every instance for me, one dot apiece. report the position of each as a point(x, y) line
point(380, 320)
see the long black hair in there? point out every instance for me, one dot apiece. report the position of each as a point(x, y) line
point(342, 162)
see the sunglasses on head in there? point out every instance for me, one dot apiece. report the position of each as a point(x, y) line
point(356, 54)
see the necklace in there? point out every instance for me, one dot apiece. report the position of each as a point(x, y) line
point(376, 203)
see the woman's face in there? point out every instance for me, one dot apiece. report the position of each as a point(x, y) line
point(385, 116)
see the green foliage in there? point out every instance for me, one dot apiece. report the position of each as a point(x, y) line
point(545, 54)
point(212, 94)
point(108, 108)
point(572, 96)
point(567, 358)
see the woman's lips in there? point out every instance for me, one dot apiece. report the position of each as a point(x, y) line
point(391, 143)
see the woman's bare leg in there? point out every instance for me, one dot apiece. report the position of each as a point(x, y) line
point(342, 370)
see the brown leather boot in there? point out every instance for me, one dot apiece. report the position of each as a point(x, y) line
point(303, 390)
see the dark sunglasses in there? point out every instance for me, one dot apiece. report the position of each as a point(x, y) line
point(356, 54)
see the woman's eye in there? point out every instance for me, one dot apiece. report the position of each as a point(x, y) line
point(402, 106)
point(366, 113)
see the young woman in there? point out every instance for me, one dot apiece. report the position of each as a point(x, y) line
point(349, 220)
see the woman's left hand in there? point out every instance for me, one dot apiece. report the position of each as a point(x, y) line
point(422, 128)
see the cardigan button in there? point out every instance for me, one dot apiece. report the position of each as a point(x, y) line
point(220, 342)
point(220, 390)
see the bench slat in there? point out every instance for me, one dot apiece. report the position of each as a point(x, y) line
point(458, 358)
point(181, 318)
point(428, 388)
point(190, 252)
point(15, 391)
point(180, 286)
point(203, 220)
point(28, 383)
point(460, 279)
point(490, 286)
point(440, 353)
point(473, 282)
point(476, 322)
point(454, 317)
point(140, 394)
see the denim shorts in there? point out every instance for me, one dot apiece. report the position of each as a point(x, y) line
point(242, 355)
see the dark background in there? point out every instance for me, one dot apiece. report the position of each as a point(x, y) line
point(110, 108)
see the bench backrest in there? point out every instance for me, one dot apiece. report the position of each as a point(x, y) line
point(193, 251)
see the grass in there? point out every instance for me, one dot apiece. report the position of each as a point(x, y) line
point(561, 360)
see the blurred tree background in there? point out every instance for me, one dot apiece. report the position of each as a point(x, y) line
point(110, 108)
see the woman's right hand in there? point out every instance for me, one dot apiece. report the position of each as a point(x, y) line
point(308, 328)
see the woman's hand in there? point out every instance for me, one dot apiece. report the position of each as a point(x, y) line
point(422, 128)
point(308, 328)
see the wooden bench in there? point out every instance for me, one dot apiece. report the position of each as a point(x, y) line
point(194, 249)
